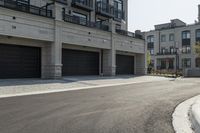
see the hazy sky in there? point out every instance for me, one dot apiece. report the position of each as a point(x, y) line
point(144, 14)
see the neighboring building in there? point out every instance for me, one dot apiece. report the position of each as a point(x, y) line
point(171, 45)
point(55, 38)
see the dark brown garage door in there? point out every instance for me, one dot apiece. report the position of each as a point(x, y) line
point(19, 61)
point(77, 62)
point(125, 64)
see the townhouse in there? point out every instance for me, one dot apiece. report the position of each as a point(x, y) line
point(55, 38)
point(171, 45)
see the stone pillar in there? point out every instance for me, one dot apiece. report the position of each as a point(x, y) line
point(109, 56)
point(109, 67)
point(140, 64)
point(52, 53)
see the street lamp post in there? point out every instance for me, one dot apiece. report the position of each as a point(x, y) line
point(178, 50)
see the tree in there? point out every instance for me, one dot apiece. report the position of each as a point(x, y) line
point(149, 62)
point(197, 49)
point(148, 58)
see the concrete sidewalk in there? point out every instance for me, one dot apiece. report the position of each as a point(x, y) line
point(20, 87)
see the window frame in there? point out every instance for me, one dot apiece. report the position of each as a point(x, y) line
point(163, 38)
point(186, 34)
point(170, 35)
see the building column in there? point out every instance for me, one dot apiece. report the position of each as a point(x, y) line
point(109, 55)
point(140, 64)
point(109, 61)
point(52, 53)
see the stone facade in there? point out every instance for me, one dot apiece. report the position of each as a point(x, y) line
point(172, 45)
point(53, 33)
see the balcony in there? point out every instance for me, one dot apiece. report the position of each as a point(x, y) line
point(119, 15)
point(83, 4)
point(104, 9)
point(62, 1)
point(24, 6)
point(129, 34)
point(84, 22)
point(167, 53)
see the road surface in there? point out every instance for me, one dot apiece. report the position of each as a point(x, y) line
point(136, 108)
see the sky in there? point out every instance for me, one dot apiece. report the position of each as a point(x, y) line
point(144, 14)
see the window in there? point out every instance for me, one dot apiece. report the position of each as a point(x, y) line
point(151, 51)
point(172, 50)
point(118, 6)
point(163, 38)
point(186, 35)
point(198, 33)
point(150, 39)
point(186, 49)
point(197, 62)
point(171, 37)
point(186, 63)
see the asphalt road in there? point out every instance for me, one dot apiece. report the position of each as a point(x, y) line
point(136, 108)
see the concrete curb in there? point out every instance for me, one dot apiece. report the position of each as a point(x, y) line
point(180, 118)
point(195, 116)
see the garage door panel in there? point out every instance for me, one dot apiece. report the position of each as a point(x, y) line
point(77, 62)
point(125, 64)
point(20, 61)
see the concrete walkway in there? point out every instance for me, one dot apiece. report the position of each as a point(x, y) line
point(20, 87)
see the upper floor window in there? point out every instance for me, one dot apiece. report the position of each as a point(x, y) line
point(186, 35)
point(150, 39)
point(171, 37)
point(118, 6)
point(198, 33)
point(163, 38)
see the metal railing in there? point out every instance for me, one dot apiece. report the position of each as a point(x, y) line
point(22, 5)
point(84, 22)
point(129, 34)
point(85, 3)
point(62, 1)
point(105, 8)
point(167, 53)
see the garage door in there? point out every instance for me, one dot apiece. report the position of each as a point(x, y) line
point(19, 61)
point(77, 62)
point(125, 64)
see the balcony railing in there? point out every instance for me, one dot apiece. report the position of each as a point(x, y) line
point(62, 1)
point(83, 4)
point(129, 34)
point(23, 6)
point(167, 53)
point(104, 9)
point(84, 22)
